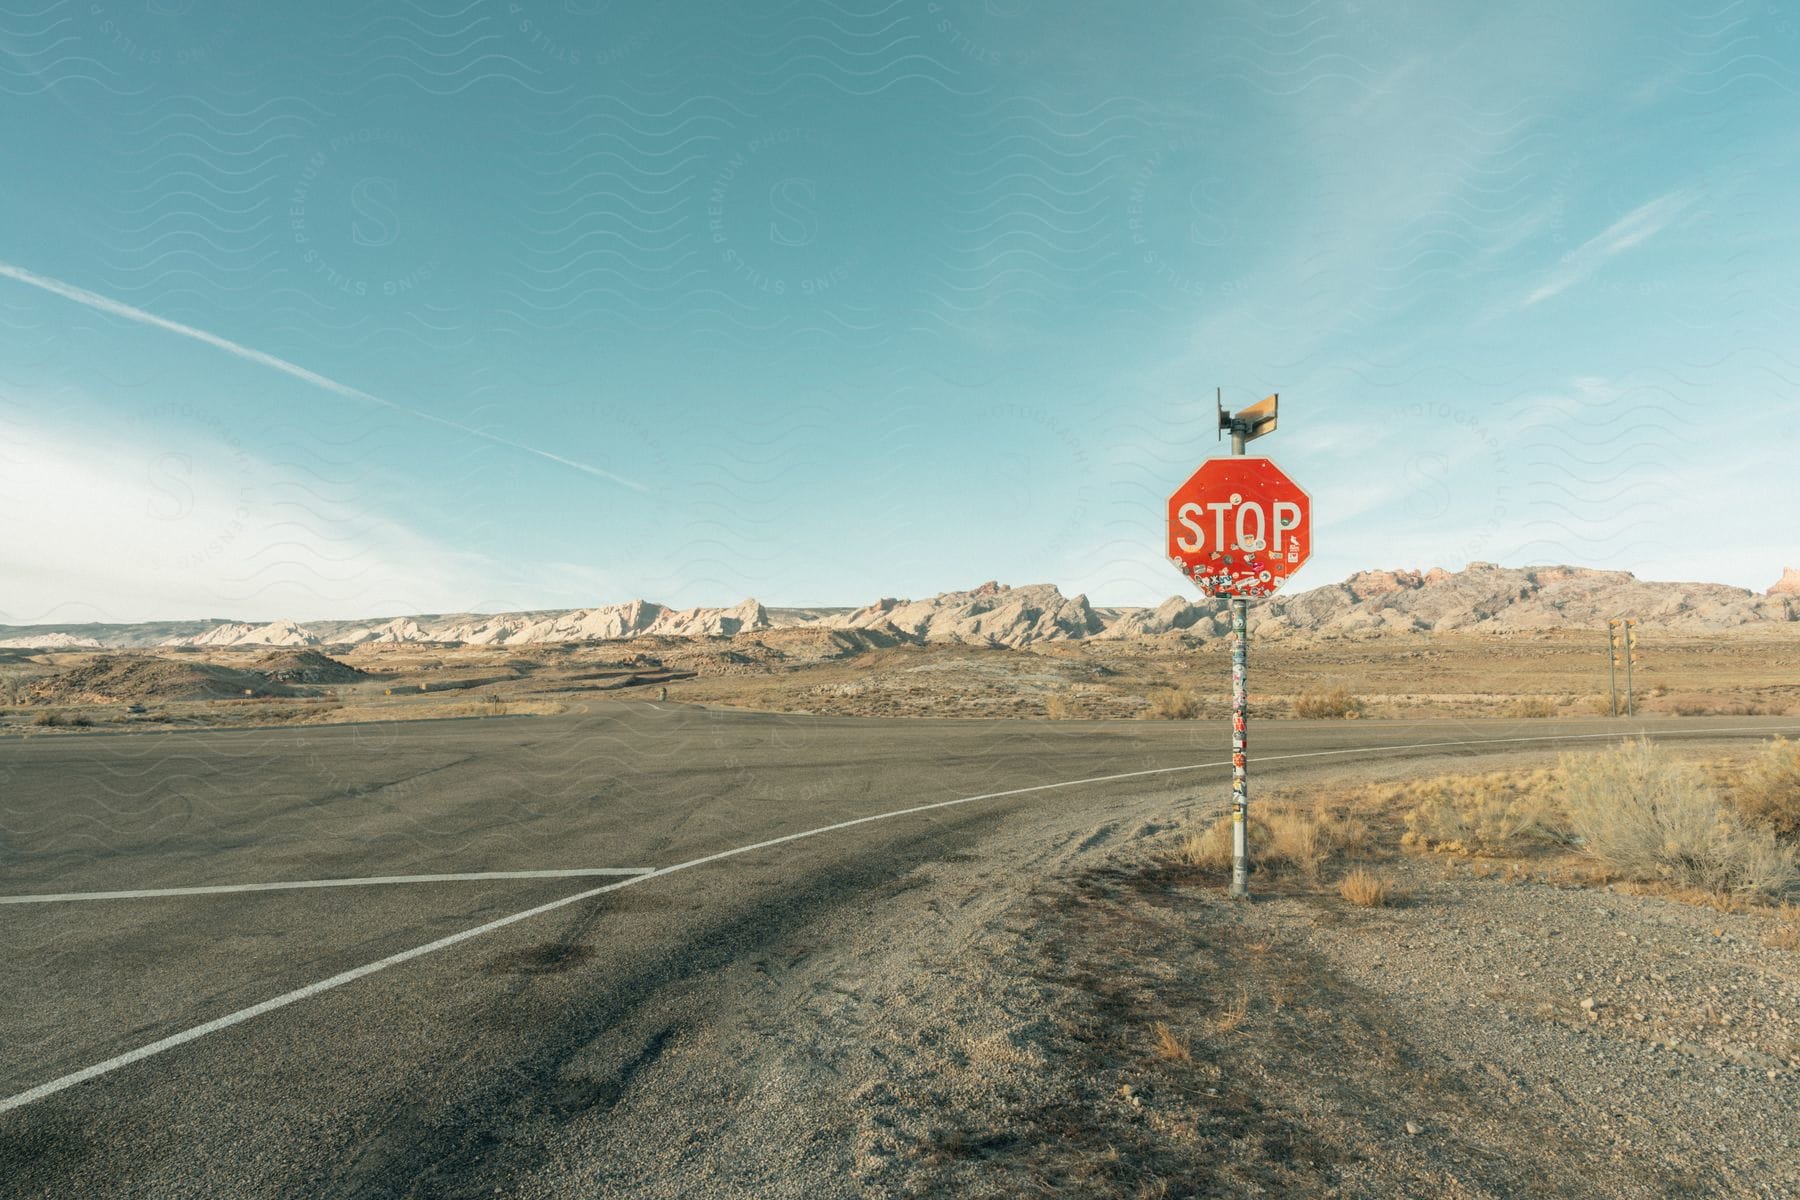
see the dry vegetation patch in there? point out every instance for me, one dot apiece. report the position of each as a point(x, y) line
point(1281, 834)
point(1652, 818)
point(1335, 702)
point(1767, 791)
point(1171, 704)
point(1365, 889)
point(1493, 813)
point(1632, 815)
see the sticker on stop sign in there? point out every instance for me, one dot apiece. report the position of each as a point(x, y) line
point(1239, 527)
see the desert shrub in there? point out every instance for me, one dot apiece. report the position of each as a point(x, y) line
point(1294, 837)
point(1497, 813)
point(1211, 847)
point(1277, 834)
point(1768, 790)
point(1059, 706)
point(1345, 834)
point(1172, 704)
point(1338, 702)
point(1696, 706)
point(1529, 706)
point(1364, 888)
point(1653, 819)
point(1786, 934)
point(47, 718)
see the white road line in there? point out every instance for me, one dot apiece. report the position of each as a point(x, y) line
point(220, 888)
point(444, 943)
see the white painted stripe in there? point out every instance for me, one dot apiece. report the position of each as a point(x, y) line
point(221, 888)
point(444, 943)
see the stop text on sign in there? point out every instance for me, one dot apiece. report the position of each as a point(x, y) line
point(1249, 525)
point(1239, 527)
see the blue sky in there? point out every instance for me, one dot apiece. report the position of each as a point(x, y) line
point(342, 309)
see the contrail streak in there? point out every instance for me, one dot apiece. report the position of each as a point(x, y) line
point(99, 303)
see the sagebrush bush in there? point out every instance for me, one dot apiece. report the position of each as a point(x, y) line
point(1497, 813)
point(1705, 707)
point(1768, 790)
point(1654, 819)
point(1529, 706)
point(1338, 702)
point(1172, 704)
point(1363, 888)
point(1211, 847)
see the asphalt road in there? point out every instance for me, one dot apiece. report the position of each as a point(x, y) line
point(415, 1078)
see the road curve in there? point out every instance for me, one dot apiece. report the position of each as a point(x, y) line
point(313, 1035)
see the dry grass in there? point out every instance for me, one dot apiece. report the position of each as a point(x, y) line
point(1231, 1017)
point(1169, 1047)
point(1500, 812)
point(1364, 888)
point(1059, 706)
point(1279, 833)
point(427, 711)
point(1767, 791)
point(1208, 848)
point(1786, 934)
point(1294, 837)
point(1172, 704)
point(1338, 702)
point(58, 718)
point(1529, 706)
point(1705, 707)
point(1654, 819)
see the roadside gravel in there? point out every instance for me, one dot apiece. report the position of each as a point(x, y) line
point(1064, 1013)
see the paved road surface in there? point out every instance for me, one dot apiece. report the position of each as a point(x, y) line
point(408, 1080)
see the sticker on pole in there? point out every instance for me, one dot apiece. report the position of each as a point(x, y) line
point(1239, 527)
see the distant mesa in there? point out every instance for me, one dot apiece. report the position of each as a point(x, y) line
point(275, 633)
point(49, 641)
point(1483, 597)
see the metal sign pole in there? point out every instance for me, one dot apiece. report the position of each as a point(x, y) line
point(1612, 671)
point(1240, 720)
point(1630, 653)
point(1240, 778)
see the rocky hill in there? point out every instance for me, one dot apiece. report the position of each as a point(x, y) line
point(1481, 598)
point(992, 614)
point(275, 633)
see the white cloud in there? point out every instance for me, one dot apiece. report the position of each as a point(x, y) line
point(102, 529)
point(117, 308)
point(1633, 229)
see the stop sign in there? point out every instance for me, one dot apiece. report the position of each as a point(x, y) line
point(1239, 527)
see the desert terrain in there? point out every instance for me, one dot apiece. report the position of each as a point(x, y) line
point(922, 899)
point(1486, 641)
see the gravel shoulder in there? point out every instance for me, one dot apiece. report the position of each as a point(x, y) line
point(1071, 1015)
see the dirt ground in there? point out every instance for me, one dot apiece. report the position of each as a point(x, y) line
point(1080, 1016)
point(857, 673)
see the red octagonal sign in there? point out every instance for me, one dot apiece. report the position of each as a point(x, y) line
point(1239, 527)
